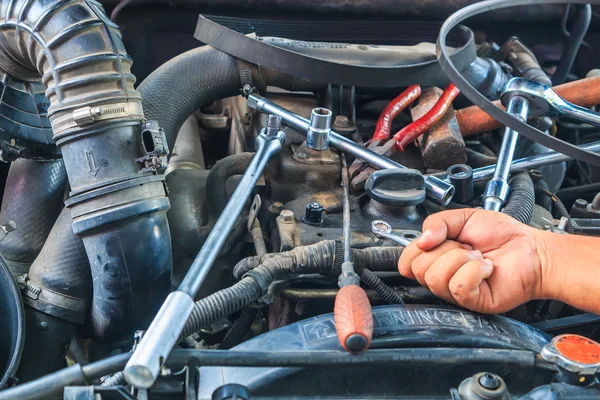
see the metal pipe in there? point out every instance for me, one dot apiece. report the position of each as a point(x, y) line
point(496, 191)
point(346, 211)
point(438, 190)
point(156, 345)
point(537, 161)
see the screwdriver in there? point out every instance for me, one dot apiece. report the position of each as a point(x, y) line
point(352, 312)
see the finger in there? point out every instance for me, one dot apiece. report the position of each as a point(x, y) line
point(437, 277)
point(409, 253)
point(424, 260)
point(443, 225)
point(468, 288)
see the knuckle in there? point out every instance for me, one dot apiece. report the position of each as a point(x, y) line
point(433, 282)
point(458, 290)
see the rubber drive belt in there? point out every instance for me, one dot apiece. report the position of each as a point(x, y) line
point(320, 70)
point(452, 71)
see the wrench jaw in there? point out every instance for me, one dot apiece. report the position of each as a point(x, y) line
point(541, 98)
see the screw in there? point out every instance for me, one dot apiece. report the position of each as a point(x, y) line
point(43, 326)
point(287, 216)
point(489, 381)
point(301, 156)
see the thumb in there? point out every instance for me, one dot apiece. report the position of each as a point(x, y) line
point(443, 225)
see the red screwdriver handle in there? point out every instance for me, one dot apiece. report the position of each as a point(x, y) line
point(353, 318)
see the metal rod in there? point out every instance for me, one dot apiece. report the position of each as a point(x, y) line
point(522, 164)
point(346, 210)
point(162, 335)
point(496, 191)
point(437, 190)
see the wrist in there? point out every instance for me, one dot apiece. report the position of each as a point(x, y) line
point(548, 247)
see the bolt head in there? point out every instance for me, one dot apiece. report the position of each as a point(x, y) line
point(341, 120)
point(287, 216)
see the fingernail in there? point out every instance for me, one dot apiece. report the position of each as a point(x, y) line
point(425, 235)
point(486, 267)
point(476, 254)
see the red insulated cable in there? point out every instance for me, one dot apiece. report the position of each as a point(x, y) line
point(412, 131)
point(391, 111)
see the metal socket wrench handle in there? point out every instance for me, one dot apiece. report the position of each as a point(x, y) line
point(317, 137)
point(384, 230)
point(496, 190)
point(545, 102)
point(148, 358)
point(438, 190)
point(523, 164)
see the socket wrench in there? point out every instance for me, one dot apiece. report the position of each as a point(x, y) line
point(438, 190)
point(148, 358)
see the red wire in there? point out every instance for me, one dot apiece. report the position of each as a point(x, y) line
point(396, 106)
point(412, 131)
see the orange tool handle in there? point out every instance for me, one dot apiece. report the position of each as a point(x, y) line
point(353, 319)
point(584, 92)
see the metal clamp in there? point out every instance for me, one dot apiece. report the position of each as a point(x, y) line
point(87, 115)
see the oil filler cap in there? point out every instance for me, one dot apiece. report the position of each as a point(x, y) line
point(396, 187)
point(574, 354)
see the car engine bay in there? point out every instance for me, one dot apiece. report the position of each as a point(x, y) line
point(208, 200)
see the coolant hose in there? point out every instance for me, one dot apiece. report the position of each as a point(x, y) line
point(521, 198)
point(117, 203)
point(187, 83)
point(580, 28)
point(32, 199)
point(57, 296)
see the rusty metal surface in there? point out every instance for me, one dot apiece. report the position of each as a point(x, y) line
point(443, 145)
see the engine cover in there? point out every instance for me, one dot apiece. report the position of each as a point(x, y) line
point(394, 327)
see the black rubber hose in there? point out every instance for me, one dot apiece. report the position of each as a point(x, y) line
point(62, 269)
point(240, 328)
point(476, 159)
point(578, 31)
point(187, 83)
point(232, 299)
point(96, 117)
point(216, 188)
point(521, 198)
point(387, 293)
point(33, 198)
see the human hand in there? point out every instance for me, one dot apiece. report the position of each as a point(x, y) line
point(482, 260)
